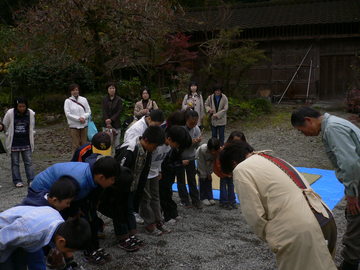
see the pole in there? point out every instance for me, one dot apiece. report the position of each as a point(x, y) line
point(308, 85)
point(302, 61)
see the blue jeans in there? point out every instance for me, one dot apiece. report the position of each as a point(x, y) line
point(227, 193)
point(15, 166)
point(218, 132)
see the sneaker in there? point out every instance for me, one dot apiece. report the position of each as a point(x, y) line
point(178, 218)
point(138, 218)
point(186, 204)
point(19, 185)
point(171, 222)
point(212, 202)
point(156, 232)
point(137, 241)
point(94, 258)
point(206, 202)
point(161, 227)
point(128, 245)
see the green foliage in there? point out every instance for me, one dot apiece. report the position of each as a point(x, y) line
point(165, 105)
point(33, 76)
point(48, 103)
point(228, 59)
point(247, 109)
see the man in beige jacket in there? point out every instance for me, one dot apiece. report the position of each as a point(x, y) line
point(277, 203)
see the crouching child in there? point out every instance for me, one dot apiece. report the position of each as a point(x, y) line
point(26, 229)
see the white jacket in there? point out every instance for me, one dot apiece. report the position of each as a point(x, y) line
point(9, 129)
point(74, 111)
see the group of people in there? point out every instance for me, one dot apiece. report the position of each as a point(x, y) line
point(136, 184)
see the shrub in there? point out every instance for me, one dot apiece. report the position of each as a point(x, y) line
point(247, 109)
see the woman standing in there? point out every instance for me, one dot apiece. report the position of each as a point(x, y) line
point(19, 124)
point(216, 106)
point(145, 105)
point(77, 112)
point(111, 108)
point(194, 101)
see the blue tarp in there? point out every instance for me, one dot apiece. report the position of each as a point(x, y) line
point(327, 186)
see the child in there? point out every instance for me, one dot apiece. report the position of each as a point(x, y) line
point(206, 155)
point(103, 173)
point(150, 209)
point(188, 161)
point(227, 193)
point(19, 124)
point(29, 228)
point(100, 144)
point(134, 155)
point(178, 138)
point(61, 193)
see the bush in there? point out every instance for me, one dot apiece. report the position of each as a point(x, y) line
point(247, 109)
point(48, 103)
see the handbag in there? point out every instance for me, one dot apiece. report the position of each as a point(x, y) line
point(92, 130)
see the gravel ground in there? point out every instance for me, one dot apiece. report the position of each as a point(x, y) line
point(211, 238)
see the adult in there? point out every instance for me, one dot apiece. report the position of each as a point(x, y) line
point(145, 105)
point(19, 125)
point(193, 100)
point(342, 145)
point(77, 112)
point(216, 105)
point(282, 209)
point(111, 109)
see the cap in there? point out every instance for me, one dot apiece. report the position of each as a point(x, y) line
point(101, 144)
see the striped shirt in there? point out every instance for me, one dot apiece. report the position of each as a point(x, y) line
point(27, 227)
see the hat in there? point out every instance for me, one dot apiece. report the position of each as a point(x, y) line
point(101, 144)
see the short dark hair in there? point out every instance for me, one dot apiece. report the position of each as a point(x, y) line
point(111, 84)
point(179, 135)
point(73, 86)
point(191, 114)
point(176, 119)
point(213, 144)
point(145, 88)
point(66, 187)
point(298, 116)
point(236, 133)
point(20, 100)
point(217, 87)
point(154, 135)
point(76, 232)
point(157, 116)
point(107, 166)
point(234, 153)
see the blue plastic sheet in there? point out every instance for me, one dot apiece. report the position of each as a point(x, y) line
point(327, 186)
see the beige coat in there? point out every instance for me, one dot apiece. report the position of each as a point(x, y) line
point(151, 105)
point(219, 117)
point(276, 209)
point(195, 102)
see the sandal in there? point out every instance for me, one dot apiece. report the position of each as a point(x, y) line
point(137, 241)
point(19, 185)
point(128, 245)
point(94, 258)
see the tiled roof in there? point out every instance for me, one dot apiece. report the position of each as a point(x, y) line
point(271, 15)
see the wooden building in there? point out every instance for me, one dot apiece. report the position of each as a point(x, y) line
point(326, 32)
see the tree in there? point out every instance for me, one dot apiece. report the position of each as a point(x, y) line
point(105, 35)
point(228, 58)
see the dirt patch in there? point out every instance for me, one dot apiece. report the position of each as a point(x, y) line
point(211, 238)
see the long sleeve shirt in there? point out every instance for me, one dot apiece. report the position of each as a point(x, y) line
point(189, 153)
point(79, 170)
point(74, 111)
point(27, 227)
point(341, 139)
point(205, 161)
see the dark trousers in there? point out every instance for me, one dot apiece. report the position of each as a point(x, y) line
point(206, 188)
point(351, 239)
point(227, 193)
point(218, 132)
point(16, 261)
point(36, 260)
point(191, 180)
point(124, 228)
point(138, 194)
point(330, 234)
point(167, 204)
